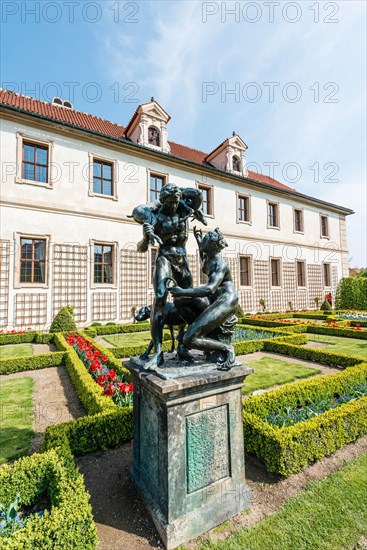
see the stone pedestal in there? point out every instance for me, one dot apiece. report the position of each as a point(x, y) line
point(188, 448)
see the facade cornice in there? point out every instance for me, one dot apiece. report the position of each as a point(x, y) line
point(88, 135)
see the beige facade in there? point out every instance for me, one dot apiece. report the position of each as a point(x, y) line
point(71, 218)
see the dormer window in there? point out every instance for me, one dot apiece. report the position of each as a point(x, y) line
point(153, 136)
point(236, 164)
point(148, 127)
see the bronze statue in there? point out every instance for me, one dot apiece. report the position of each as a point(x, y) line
point(222, 300)
point(208, 309)
point(166, 223)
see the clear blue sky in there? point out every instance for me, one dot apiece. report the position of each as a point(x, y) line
point(288, 77)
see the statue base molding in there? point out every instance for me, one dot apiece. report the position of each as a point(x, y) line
point(188, 446)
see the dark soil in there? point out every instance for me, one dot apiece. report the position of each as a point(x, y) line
point(123, 523)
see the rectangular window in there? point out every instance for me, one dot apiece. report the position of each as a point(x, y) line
point(207, 199)
point(275, 272)
point(273, 214)
point(102, 177)
point(153, 257)
point(301, 275)
point(298, 220)
point(327, 276)
point(35, 162)
point(32, 260)
point(243, 208)
point(156, 184)
point(324, 226)
point(245, 274)
point(103, 264)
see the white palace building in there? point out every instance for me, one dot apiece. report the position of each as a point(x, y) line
point(70, 180)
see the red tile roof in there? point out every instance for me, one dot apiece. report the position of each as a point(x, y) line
point(97, 124)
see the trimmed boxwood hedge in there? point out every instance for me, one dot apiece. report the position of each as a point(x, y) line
point(117, 329)
point(100, 431)
point(343, 332)
point(288, 450)
point(330, 358)
point(33, 336)
point(32, 362)
point(68, 524)
point(291, 327)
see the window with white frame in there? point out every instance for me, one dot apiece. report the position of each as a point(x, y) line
point(275, 272)
point(32, 260)
point(245, 271)
point(298, 220)
point(326, 274)
point(243, 208)
point(301, 273)
point(207, 192)
point(324, 223)
point(156, 182)
point(103, 177)
point(273, 214)
point(103, 268)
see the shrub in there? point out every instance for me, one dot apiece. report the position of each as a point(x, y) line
point(239, 311)
point(326, 306)
point(69, 523)
point(351, 293)
point(337, 331)
point(63, 321)
point(117, 329)
point(33, 362)
point(288, 450)
point(100, 431)
point(330, 358)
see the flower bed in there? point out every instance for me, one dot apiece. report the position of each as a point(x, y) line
point(96, 363)
point(106, 425)
point(68, 524)
point(288, 416)
point(242, 334)
point(290, 449)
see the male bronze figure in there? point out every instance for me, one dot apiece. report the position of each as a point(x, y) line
point(166, 223)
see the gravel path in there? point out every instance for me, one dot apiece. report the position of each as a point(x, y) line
point(54, 400)
point(123, 523)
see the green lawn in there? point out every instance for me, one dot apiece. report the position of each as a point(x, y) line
point(351, 346)
point(16, 417)
point(18, 350)
point(129, 339)
point(271, 372)
point(329, 515)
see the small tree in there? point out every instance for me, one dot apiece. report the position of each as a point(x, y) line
point(263, 304)
point(317, 301)
point(239, 311)
point(64, 320)
point(326, 306)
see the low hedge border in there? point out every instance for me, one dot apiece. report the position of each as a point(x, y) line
point(32, 362)
point(292, 327)
point(355, 323)
point(288, 450)
point(69, 523)
point(105, 424)
point(343, 332)
point(100, 431)
point(251, 346)
point(32, 336)
point(330, 358)
point(116, 329)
